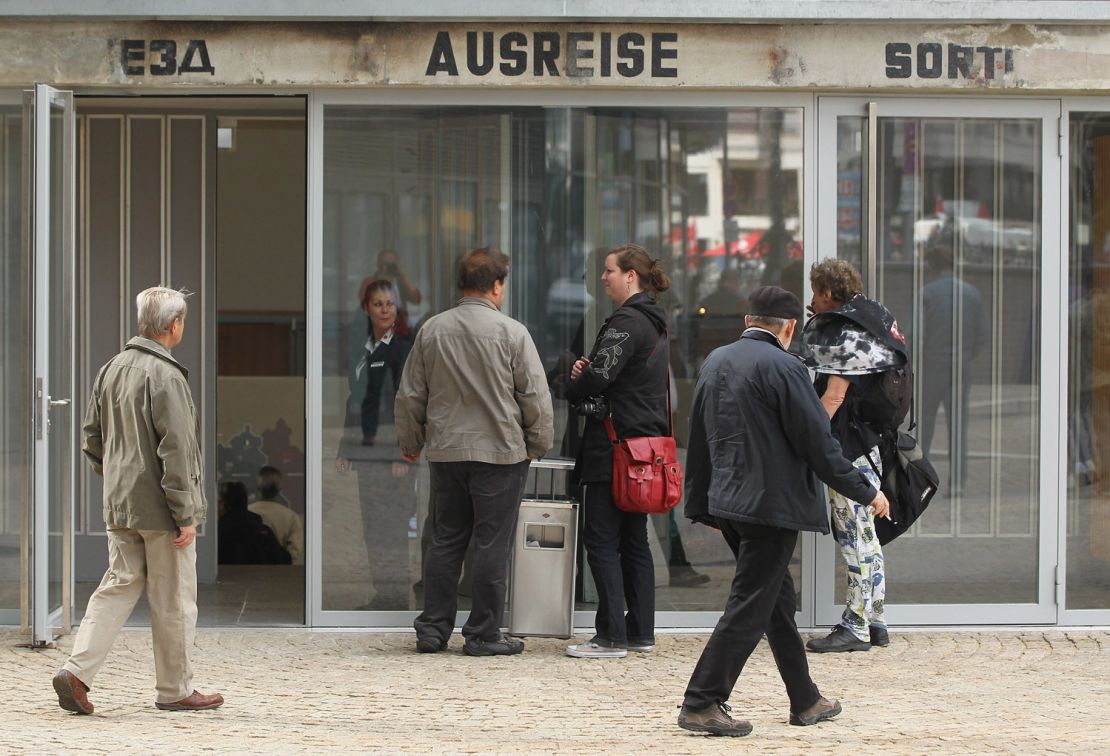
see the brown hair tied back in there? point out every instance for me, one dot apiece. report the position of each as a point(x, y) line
point(635, 258)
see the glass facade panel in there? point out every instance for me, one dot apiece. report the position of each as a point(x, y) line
point(714, 193)
point(15, 364)
point(959, 258)
point(1088, 479)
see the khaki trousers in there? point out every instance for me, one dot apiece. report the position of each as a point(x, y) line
point(135, 558)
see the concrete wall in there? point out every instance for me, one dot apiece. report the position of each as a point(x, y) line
point(935, 56)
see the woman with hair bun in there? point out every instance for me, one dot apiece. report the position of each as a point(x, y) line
point(626, 377)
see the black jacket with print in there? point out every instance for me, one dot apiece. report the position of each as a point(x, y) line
point(629, 366)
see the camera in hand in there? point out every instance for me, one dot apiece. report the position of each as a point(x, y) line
point(596, 407)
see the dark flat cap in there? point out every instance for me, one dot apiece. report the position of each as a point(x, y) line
point(773, 302)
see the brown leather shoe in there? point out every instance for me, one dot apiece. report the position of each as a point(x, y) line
point(195, 701)
point(714, 719)
point(823, 709)
point(72, 693)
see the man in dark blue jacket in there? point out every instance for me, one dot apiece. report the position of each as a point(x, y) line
point(760, 446)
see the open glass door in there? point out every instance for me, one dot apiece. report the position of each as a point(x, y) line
point(950, 208)
point(50, 192)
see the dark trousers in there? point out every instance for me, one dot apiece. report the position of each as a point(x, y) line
point(470, 501)
point(387, 505)
point(620, 560)
point(761, 601)
point(940, 390)
point(666, 530)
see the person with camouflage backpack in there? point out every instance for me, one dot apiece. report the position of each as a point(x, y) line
point(865, 383)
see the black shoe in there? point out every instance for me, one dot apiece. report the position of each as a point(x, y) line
point(685, 576)
point(713, 719)
point(840, 639)
point(430, 645)
point(503, 646)
point(823, 709)
point(879, 636)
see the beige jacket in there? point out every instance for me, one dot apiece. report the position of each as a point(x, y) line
point(286, 524)
point(142, 434)
point(474, 390)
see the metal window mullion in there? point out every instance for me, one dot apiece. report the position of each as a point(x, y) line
point(998, 293)
point(164, 153)
point(918, 308)
point(955, 414)
point(1035, 387)
point(314, 416)
point(997, 261)
point(80, 472)
point(505, 158)
point(872, 259)
point(68, 217)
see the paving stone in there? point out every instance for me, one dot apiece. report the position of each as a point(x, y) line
point(300, 691)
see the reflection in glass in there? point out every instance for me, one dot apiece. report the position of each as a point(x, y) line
point(368, 446)
point(959, 266)
point(14, 359)
point(1088, 519)
point(714, 193)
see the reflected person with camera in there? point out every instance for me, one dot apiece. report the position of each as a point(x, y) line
point(389, 268)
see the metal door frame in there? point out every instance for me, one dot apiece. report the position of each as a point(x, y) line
point(1069, 105)
point(1053, 299)
point(46, 624)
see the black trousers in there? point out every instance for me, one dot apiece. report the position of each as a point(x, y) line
point(387, 505)
point(620, 559)
point(761, 601)
point(479, 502)
point(938, 390)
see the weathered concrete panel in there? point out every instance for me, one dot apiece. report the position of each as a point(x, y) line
point(635, 11)
point(913, 57)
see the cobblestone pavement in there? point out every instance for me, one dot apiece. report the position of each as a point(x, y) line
point(300, 690)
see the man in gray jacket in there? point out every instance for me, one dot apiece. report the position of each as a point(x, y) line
point(474, 395)
point(141, 434)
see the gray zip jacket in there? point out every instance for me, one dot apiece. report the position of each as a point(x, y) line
point(474, 390)
point(141, 433)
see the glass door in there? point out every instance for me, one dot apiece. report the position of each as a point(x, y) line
point(1085, 521)
point(50, 175)
point(951, 211)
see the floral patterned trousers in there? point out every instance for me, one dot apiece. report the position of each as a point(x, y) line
point(854, 527)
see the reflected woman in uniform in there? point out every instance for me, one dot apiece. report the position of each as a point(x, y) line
point(385, 479)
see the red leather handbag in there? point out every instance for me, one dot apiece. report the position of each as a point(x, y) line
point(647, 476)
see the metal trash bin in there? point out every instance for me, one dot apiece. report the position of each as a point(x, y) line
point(541, 583)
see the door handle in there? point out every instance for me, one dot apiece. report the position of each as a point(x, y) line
point(59, 402)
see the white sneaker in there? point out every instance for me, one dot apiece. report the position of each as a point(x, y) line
point(592, 650)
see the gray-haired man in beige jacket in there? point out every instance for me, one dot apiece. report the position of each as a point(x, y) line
point(141, 434)
point(474, 395)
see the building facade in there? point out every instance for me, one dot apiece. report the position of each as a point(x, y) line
point(272, 162)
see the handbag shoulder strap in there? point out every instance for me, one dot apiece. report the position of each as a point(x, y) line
point(611, 430)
